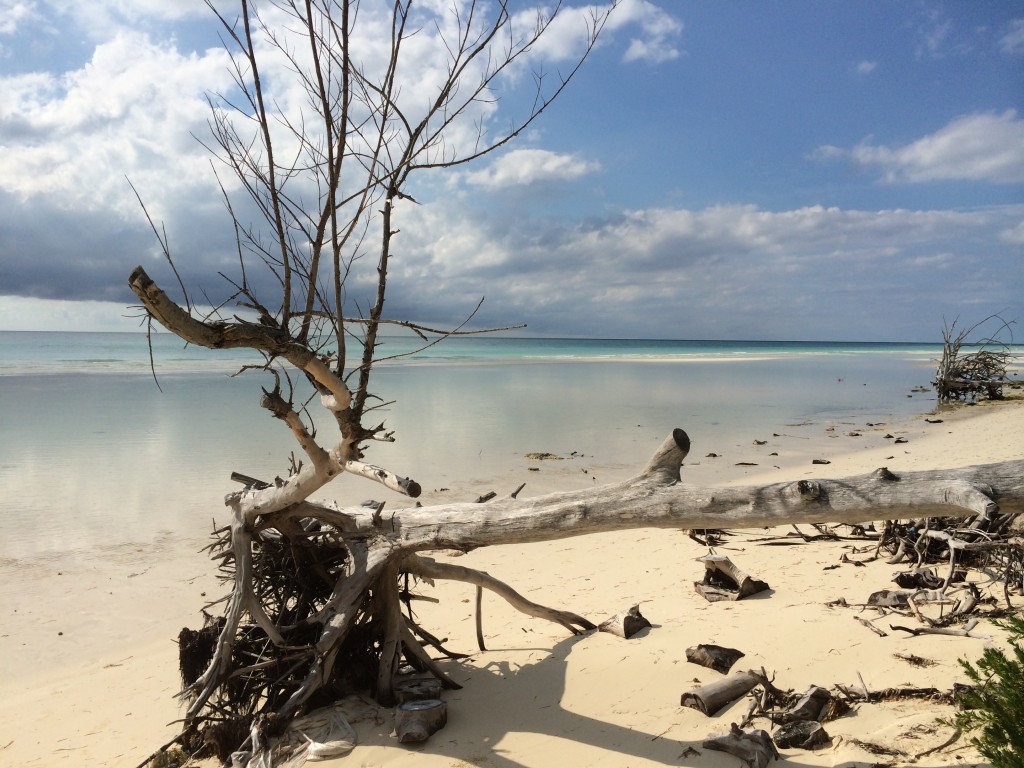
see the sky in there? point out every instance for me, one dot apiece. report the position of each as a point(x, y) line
point(801, 170)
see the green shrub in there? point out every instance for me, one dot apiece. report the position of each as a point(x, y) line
point(994, 706)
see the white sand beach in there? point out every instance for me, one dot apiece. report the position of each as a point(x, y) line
point(90, 664)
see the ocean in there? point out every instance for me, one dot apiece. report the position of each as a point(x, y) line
point(94, 452)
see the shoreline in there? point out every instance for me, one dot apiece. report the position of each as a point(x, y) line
point(102, 692)
point(215, 368)
point(43, 353)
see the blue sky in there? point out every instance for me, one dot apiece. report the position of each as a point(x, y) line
point(742, 170)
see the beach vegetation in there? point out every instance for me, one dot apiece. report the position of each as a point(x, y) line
point(992, 709)
point(969, 370)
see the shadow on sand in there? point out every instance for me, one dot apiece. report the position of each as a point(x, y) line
point(501, 701)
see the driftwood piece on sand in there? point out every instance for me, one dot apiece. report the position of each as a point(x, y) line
point(894, 598)
point(755, 747)
point(724, 581)
point(801, 734)
point(657, 499)
point(918, 578)
point(654, 498)
point(714, 657)
point(809, 706)
point(966, 631)
point(416, 688)
point(625, 624)
point(415, 721)
point(872, 627)
point(712, 697)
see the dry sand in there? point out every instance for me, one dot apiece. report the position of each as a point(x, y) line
point(89, 664)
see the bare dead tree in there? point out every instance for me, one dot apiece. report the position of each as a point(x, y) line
point(323, 135)
point(333, 115)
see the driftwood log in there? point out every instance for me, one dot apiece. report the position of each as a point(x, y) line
point(755, 747)
point(657, 499)
point(714, 657)
point(801, 734)
point(416, 720)
point(723, 580)
point(626, 623)
point(417, 688)
point(711, 697)
point(809, 706)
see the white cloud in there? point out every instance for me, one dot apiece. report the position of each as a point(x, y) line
point(670, 268)
point(866, 67)
point(522, 167)
point(13, 13)
point(933, 34)
point(1013, 41)
point(652, 50)
point(984, 146)
point(566, 35)
point(1013, 235)
point(101, 19)
point(934, 261)
point(827, 152)
point(680, 272)
point(659, 29)
point(654, 31)
point(134, 106)
point(73, 138)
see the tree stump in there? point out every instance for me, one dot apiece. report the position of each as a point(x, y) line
point(625, 624)
point(724, 581)
point(415, 721)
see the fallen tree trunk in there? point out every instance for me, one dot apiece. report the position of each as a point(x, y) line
point(330, 637)
point(712, 697)
point(656, 498)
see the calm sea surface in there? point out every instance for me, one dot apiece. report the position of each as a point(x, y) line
point(93, 452)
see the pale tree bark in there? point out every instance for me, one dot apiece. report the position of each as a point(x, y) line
point(657, 498)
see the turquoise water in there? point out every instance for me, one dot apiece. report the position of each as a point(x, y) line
point(94, 452)
point(56, 353)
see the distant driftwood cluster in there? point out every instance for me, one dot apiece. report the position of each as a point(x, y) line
point(933, 594)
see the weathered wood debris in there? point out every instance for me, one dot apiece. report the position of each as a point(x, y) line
point(950, 559)
point(320, 601)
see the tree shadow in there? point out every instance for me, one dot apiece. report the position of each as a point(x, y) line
point(542, 684)
point(501, 700)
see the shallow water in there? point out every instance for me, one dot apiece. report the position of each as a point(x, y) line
point(52, 353)
point(94, 453)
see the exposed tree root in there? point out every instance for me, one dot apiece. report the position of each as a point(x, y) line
point(426, 567)
point(315, 612)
